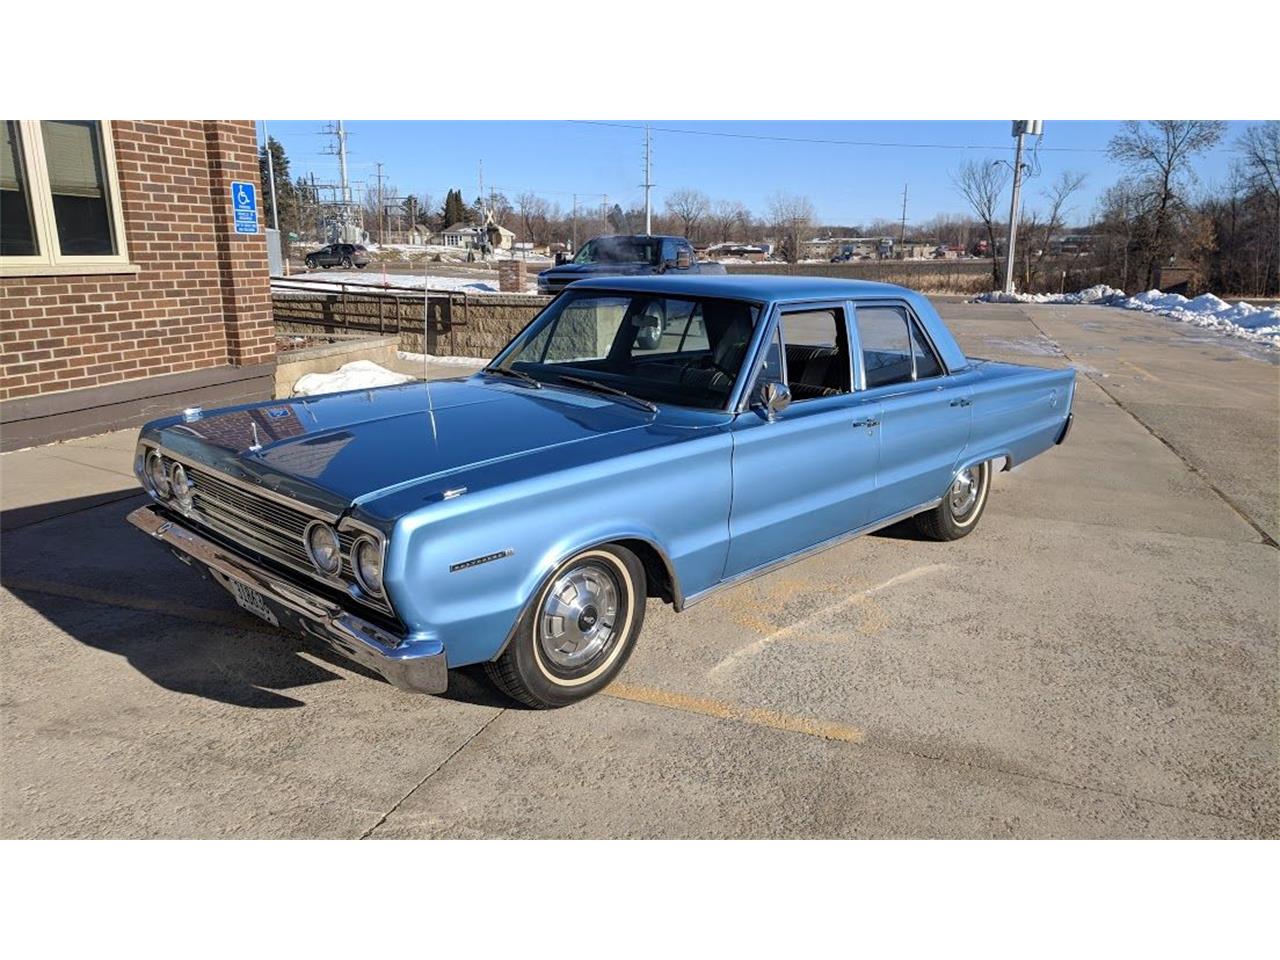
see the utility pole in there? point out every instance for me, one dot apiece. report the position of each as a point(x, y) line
point(575, 223)
point(271, 175)
point(604, 212)
point(902, 232)
point(648, 178)
point(481, 194)
point(1020, 130)
point(382, 219)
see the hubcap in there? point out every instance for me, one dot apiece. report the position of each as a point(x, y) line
point(964, 492)
point(577, 618)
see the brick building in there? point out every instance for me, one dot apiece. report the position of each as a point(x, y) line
point(125, 291)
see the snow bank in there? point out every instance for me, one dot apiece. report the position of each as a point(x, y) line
point(474, 363)
point(401, 281)
point(1241, 320)
point(356, 375)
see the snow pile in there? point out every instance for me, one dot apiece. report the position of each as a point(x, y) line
point(400, 281)
point(356, 375)
point(1242, 320)
point(424, 358)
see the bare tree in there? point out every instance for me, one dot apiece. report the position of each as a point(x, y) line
point(1159, 153)
point(1259, 147)
point(790, 216)
point(1059, 196)
point(534, 217)
point(725, 218)
point(981, 184)
point(688, 206)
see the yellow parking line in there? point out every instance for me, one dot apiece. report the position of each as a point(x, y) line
point(1143, 371)
point(721, 710)
point(682, 702)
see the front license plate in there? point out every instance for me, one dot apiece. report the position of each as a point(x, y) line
point(252, 601)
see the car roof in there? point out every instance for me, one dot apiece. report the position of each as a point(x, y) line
point(748, 286)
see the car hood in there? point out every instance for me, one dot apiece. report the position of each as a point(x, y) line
point(337, 450)
point(579, 270)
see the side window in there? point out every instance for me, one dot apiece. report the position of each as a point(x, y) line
point(886, 344)
point(668, 251)
point(816, 346)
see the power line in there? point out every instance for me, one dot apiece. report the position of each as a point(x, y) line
point(824, 140)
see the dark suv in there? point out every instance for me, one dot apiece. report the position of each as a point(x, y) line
point(338, 255)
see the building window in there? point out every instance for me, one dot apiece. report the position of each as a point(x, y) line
point(59, 199)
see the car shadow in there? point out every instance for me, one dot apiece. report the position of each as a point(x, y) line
point(81, 566)
point(902, 530)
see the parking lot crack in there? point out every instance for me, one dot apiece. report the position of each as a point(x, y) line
point(1222, 495)
point(438, 767)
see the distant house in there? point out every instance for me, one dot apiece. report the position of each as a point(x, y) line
point(738, 251)
point(468, 236)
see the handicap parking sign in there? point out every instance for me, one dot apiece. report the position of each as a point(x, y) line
point(244, 203)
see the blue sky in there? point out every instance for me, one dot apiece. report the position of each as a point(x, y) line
point(847, 183)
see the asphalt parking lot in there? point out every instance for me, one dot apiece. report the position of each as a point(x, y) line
point(1100, 659)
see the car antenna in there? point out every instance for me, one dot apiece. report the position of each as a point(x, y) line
point(426, 378)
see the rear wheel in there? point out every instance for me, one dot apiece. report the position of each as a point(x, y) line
point(580, 630)
point(961, 506)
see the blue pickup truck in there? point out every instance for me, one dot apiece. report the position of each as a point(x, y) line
point(626, 256)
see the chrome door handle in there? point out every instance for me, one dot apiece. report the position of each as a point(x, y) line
point(868, 423)
point(962, 402)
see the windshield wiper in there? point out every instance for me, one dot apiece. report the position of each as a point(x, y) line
point(516, 374)
point(605, 388)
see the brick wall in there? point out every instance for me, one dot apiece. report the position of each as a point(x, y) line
point(200, 299)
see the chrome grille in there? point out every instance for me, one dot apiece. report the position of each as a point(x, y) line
point(264, 525)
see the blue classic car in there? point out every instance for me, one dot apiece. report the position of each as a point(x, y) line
point(520, 517)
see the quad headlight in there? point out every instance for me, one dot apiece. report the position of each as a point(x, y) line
point(158, 475)
point(180, 485)
point(367, 562)
point(324, 548)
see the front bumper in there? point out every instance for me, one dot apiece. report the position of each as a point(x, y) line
point(417, 665)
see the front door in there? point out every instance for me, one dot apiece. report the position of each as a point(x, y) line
point(808, 475)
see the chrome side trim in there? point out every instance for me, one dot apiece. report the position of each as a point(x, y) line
point(791, 558)
point(414, 664)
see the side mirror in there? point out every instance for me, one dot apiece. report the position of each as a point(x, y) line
point(774, 396)
point(562, 258)
point(682, 259)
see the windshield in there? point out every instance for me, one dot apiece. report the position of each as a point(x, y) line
point(678, 350)
point(619, 250)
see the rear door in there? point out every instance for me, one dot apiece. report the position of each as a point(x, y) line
point(808, 475)
point(924, 414)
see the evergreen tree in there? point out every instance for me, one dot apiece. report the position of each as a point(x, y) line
point(455, 209)
point(286, 196)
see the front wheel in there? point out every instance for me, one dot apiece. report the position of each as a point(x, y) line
point(346, 263)
point(580, 630)
point(311, 264)
point(961, 505)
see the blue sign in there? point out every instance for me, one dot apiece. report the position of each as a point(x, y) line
point(244, 203)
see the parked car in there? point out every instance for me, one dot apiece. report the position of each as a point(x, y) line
point(338, 255)
point(510, 518)
point(626, 256)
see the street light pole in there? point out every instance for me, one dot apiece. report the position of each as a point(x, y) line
point(1020, 130)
